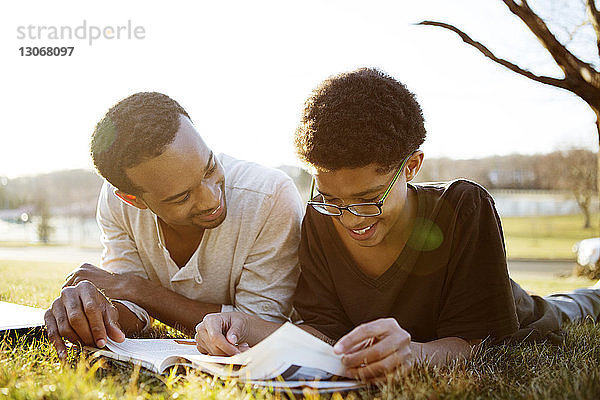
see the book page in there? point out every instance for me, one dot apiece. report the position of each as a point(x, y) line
point(157, 352)
point(162, 347)
point(287, 346)
point(16, 316)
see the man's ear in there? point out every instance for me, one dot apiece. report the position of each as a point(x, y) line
point(131, 199)
point(413, 165)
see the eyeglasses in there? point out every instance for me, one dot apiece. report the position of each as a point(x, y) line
point(358, 209)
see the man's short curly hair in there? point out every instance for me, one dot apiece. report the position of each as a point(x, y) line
point(137, 128)
point(357, 119)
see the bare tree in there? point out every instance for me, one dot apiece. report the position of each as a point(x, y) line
point(579, 77)
point(44, 229)
point(577, 174)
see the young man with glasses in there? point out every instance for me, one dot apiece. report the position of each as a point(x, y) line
point(393, 272)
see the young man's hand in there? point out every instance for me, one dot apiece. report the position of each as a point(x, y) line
point(230, 333)
point(223, 334)
point(82, 314)
point(375, 349)
point(112, 285)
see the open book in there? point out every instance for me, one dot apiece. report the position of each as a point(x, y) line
point(289, 357)
point(15, 316)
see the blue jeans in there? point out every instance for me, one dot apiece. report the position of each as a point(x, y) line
point(576, 305)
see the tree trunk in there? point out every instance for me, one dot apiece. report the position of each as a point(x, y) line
point(584, 201)
point(588, 222)
point(597, 111)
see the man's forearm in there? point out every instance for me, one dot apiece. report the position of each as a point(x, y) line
point(128, 321)
point(442, 351)
point(167, 306)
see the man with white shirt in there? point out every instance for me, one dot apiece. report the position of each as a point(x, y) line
point(186, 232)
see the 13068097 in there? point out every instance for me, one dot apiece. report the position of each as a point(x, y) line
point(46, 51)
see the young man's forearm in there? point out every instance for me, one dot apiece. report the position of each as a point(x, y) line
point(262, 328)
point(442, 351)
point(167, 306)
point(128, 321)
point(438, 352)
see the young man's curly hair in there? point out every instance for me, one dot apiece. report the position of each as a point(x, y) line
point(137, 128)
point(357, 119)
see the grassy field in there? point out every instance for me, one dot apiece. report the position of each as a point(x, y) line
point(31, 370)
point(546, 237)
point(32, 283)
point(544, 285)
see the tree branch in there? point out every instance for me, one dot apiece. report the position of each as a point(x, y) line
point(595, 18)
point(576, 29)
point(567, 61)
point(486, 52)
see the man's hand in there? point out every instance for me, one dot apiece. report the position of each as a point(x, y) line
point(223, 334)
point(113, 285)
point(82, 314)
point(230, 333)
point(375, 349)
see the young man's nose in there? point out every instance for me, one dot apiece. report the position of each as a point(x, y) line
point(209, 198)
point(351, 221)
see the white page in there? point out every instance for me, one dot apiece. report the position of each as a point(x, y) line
point(160, 353)
point(289, 345)
point(143, 347)
point(297, 347)
point(16, 316)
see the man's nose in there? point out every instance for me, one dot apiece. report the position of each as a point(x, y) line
point(209, 198)
point(350, 220)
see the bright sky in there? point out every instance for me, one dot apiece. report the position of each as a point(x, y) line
point(243, 70)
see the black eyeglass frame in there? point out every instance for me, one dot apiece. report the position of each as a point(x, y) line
point(350, 207)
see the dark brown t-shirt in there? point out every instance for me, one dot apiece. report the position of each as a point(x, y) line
point(450, 279)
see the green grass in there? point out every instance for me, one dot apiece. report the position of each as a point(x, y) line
point(546, 237)
point(32, 283)
point(31, 370)
point(544, 285)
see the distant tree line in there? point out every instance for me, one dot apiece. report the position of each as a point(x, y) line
point(573, 170)
point(558, 170)
point(73, 192)
point(76, 191)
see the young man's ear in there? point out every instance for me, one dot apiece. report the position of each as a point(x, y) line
point(413, 165)
point(131, 199)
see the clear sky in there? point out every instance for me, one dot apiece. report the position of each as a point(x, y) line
point(243, 70)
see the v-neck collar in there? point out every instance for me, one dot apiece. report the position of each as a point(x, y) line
point(190, 269)
point(398, 270)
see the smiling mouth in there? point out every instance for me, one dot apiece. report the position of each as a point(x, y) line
point(363, 234)
point(214, 214)
point(362, 231)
